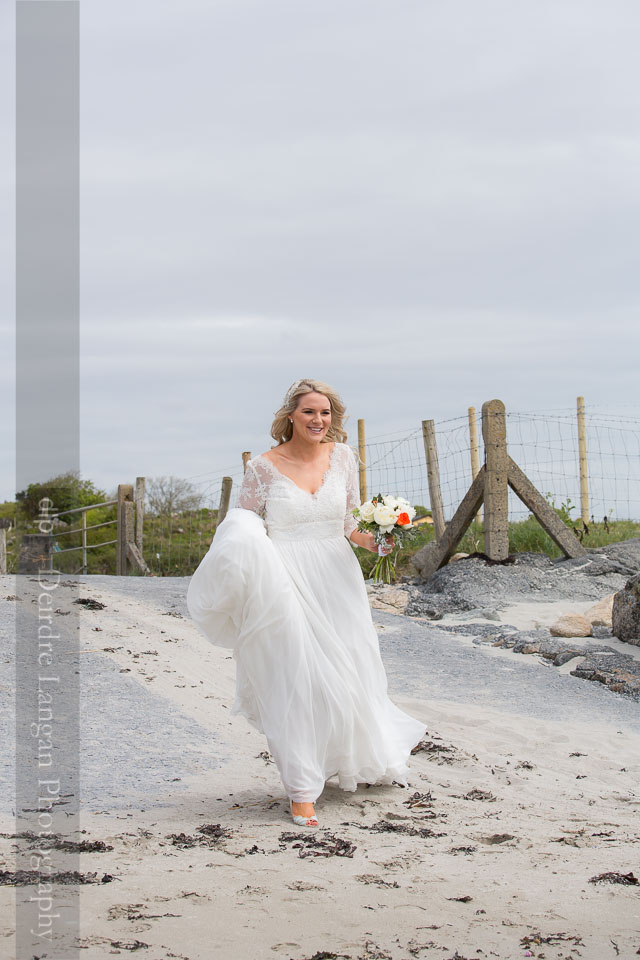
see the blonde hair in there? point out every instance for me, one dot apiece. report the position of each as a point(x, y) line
point(282, 428)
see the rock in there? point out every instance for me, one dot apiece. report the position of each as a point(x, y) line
point(626, 555)
point(565, 656)
point(599, 615)
point(626, 612)
point(490, 615)
point(458, 556)
point(571, 625)
point(389, 598)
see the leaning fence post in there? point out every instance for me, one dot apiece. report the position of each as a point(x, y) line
point(433, 475)
point(475, 449)
point(225, 497)
point(125, 496)
point(363, 462)
point(496, 488)
point(584, 470)
point(246, 456)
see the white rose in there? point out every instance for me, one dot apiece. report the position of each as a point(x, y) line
point(390, 501)
point(405, 507)
point(366, 511)
point(384, 516)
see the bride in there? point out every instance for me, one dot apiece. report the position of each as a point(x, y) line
point(282, 588)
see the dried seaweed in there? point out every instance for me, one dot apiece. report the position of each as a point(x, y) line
point(90, 604)
point(56, 842)
point(211, 835)
point(419, 800)
point(385, 826)
point(477, 794)
point(378, 881)
point(310, 846)
point(625, 878)
point(25, 878)
point(536, 939)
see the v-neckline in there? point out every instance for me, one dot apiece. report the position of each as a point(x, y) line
point(322, 481)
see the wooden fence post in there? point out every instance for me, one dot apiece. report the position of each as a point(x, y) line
point(246, 456)
point(584, 470)
point(496, 486)
point(433, 475)
point(125, 495)
point(475, 449)
point(225, 497)
point(3, 549)
point(491, 484)
point(139, 501)
point(363, 462)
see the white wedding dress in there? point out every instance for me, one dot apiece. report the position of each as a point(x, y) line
point(281, 587)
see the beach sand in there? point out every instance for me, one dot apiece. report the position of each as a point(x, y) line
point(490, 852)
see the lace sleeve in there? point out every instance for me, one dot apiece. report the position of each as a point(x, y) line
point(252, 495)
point(353, 492)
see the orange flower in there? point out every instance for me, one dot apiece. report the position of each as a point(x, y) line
point(403, 520)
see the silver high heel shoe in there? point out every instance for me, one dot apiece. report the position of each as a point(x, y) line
point(302, 821)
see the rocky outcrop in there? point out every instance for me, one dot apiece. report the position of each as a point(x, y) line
point(388, 597)
point(626, 612)
point(571, 625)
point(599, 615)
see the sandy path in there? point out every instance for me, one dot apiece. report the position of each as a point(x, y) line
point(524, 811)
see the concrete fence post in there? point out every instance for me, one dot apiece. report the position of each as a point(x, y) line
point(496, 485)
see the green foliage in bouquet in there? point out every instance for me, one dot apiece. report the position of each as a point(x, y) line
point(384, 569)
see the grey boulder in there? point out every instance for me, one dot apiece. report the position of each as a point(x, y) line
point(626, 612)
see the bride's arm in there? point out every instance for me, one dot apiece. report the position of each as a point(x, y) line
point(357, 537)
point(252, 493)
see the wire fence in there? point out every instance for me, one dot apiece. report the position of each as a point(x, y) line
point(544, 445)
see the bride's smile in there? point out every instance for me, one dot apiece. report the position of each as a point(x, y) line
point(311, 419)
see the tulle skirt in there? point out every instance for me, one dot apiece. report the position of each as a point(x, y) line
point(309, 675)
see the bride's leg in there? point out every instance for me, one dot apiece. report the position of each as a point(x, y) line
point(302, 809)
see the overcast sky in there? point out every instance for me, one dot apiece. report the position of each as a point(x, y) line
point(425, 204)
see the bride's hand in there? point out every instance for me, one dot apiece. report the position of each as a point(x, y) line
point(367, 541)
point(384, 549)
point(373, 546)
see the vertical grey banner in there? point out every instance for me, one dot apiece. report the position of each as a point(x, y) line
point(47, 445)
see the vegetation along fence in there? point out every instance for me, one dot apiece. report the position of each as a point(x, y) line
point(584, 462)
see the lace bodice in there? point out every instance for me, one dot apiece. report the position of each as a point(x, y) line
point(291, 513)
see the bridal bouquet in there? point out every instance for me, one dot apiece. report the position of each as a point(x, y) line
point(387, 518)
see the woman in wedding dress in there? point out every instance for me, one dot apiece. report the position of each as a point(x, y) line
point(282, 588)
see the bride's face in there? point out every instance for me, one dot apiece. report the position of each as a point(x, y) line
point(312, 417)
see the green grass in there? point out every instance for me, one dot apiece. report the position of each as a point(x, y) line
point(525, 536)
point(174, 546)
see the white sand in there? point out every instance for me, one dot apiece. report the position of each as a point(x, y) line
point(569, 818)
